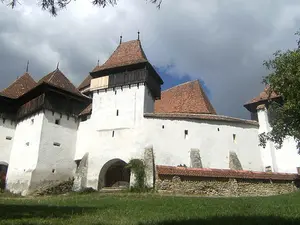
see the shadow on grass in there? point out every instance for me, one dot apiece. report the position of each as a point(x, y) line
point(232, 220)
point(12, 211)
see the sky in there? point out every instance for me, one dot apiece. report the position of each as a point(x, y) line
point(222, 43)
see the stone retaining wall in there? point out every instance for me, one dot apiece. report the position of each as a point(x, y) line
point(221, 186)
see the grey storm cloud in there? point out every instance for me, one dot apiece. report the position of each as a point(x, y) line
point(223, 43)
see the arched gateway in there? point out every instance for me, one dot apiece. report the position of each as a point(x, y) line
point(114, 174)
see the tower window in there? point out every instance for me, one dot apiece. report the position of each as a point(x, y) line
point(57, 121)
point(186, 133)
point(163, 126)
point(32, 121)
point(56, 144)
point(234, 138)
point(218, 129)
point(113, 133)
point(117, 112)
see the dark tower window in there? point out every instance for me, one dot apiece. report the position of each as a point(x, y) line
point(117, 112)
point(57, 121)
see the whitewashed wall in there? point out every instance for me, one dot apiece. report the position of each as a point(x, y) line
point(7, 131)
point(106, 136)
point(285, 159)
point(56, 163)
point(24, 153)
point(214, 139)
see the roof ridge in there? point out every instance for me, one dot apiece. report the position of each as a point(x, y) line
point(18, 78)
point(207, 102)
point(191, 81)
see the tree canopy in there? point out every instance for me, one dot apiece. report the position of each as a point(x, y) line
point(53, 6)
point(284, 80)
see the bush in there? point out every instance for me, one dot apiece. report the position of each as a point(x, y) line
point(137, 166)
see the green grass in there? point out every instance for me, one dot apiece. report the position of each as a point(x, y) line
point(146, 209)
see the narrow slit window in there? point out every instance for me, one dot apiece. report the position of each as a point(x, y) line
point(8, 138)
point(113, 133)
point(186, 134)
point(117, 113)
point(32, 121)
point(163, 126)
point(234, 138)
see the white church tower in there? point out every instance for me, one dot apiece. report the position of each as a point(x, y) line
point(123, 89)
point(285, 159)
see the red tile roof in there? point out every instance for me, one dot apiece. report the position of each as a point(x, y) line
point(184, 98)
point(19, 87)
point(264, 95)
point(190, 116)
point(127, 53)
point(58, 79)
point(223, 173)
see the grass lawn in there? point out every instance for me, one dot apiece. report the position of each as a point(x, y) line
point(146, 209)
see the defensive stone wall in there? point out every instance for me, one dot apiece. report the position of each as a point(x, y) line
point(215, 182)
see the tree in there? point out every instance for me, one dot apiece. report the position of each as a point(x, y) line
point(284, 80)
point(54, 5)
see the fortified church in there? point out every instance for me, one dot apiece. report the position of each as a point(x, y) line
point(51, 131)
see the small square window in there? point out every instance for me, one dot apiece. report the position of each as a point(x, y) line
point(57, 121)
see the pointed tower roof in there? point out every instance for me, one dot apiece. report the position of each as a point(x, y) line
point(127, 53)
point(184, 98)
point(263, 96)
point(58, 79)
point(19, 87)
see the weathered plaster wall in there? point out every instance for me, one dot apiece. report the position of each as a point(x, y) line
point(223, 187)
point(24, 153)
point(214, 139)
point(57, 149)
point(7, 131)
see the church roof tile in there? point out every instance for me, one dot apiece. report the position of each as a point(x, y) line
point(184, 98)
point(223, 173)
point(58, 79)
point(19, 87)
point(127, 53)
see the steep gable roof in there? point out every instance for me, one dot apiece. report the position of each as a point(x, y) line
point(127, 53)
point(263, 96)
point(185, 98)
point(58, 79)
point(19, 87)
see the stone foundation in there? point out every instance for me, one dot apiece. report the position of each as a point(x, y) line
point(223, 187)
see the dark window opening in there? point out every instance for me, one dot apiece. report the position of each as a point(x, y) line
point(57, 121)
point(8, 138)
point(234, 138)
point(56, 144)
point(117, 112)
point(163, 126)
point(53, 170)
point(186, 133)
point(113, 134)
point(218, 129)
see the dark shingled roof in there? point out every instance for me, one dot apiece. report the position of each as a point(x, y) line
point(205, 117)
point(87, 110)
point(127, 53)
point(87, 81)
point(184, 98)
point(19, 87)
point(223, 173)
point(263, 96)
point(58, 79)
